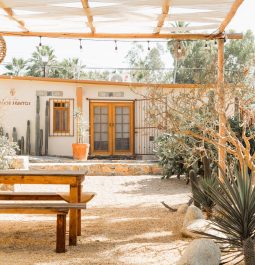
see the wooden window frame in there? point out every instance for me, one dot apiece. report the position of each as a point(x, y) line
point(70, 120)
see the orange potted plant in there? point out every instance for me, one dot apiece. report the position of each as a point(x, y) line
point(80, 148)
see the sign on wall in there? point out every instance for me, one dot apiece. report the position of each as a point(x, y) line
point(12, 100)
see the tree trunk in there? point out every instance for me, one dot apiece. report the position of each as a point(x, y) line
point(194, 182)
point(248, 251)
point(175, 70)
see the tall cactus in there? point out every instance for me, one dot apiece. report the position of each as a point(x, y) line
point(37, 127)
point(22, 143)
point(7, 135)
point(14, 135)
point(46, 127)
point(41, 142)
point(28, 139)
point(1, 131)
point(18, 152)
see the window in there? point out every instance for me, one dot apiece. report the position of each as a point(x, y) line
point(61, 117)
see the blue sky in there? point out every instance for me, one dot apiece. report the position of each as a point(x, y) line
point(102, 54)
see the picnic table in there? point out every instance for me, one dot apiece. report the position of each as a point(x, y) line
point(72, 178)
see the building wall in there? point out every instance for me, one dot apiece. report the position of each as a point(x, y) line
point(22, 97)
point(18, 104)
point(23, 107)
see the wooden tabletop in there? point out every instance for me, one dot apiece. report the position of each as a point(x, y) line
point(63, 173)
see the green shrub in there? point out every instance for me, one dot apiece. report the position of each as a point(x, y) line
point(7, 148)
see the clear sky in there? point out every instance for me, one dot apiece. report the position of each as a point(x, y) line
point(102, 54)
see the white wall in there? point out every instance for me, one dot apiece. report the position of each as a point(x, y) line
point(17, 115)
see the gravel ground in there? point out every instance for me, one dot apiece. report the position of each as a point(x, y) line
point(124, 224)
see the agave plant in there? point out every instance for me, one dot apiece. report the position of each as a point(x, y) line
point(234, 216)
point(200, 193)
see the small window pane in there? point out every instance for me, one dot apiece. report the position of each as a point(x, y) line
point(104, 110)
point(125, 110)
point(118, 110)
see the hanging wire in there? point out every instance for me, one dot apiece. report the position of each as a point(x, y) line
point(116, 47)
point(80, 44)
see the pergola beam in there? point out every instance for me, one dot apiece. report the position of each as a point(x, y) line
point(86, 8)
point(12, 16)
point(187, 36)
point(230, 15)
point(162, 17)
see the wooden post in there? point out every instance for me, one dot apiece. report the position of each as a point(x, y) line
point(73, 216)
point(79, 210)
point(79, 98)
point(61, 233)
point(221, 106)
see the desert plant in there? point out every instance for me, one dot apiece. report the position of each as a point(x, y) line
point(200, 194)
point(234, 214)
point(7, 148)
point(81, 126)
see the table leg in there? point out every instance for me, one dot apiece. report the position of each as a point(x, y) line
point(79, 211)
point(73, 216)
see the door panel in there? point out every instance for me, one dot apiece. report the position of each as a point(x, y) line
point(100, 133)
point(123, 128)
point(111, 128)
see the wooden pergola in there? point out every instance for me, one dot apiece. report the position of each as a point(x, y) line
point(126, 19)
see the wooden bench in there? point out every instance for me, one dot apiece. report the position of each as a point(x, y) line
point(60, 209)
point(43, 196)
point(47, 196)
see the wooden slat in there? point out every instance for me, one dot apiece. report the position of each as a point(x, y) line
point(19, 179)
point(43, 206)
point(12, 16)
point(230, 15)
point(44, 196)
point(184, 36)
point(92, 82)
point(87, 10)
point(162, 17)
point(33, 173)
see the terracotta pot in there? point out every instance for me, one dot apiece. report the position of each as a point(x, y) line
point(80, 151)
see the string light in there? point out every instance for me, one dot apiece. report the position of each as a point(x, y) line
point(179, 49)
point(116, 47)
point(80, 44)
point(206, 45)
point(40, 42)
point(148, 46)
point(215, 42)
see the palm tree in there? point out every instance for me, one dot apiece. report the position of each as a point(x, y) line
point(178, 49)
point(17, 67)
point(42, 62)
point(71, 68)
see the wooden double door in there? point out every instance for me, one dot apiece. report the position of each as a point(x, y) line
point(112, 128)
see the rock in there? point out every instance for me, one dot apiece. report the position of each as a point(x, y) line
point(6, 187)
point(193, 213)
point(201, 252)
point(18, 162)
point(199, 225)
point(182, 209)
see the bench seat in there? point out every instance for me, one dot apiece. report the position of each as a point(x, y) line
point(43, 196)
point(60, 209)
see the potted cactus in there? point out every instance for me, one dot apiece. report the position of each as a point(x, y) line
point(80, 148)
